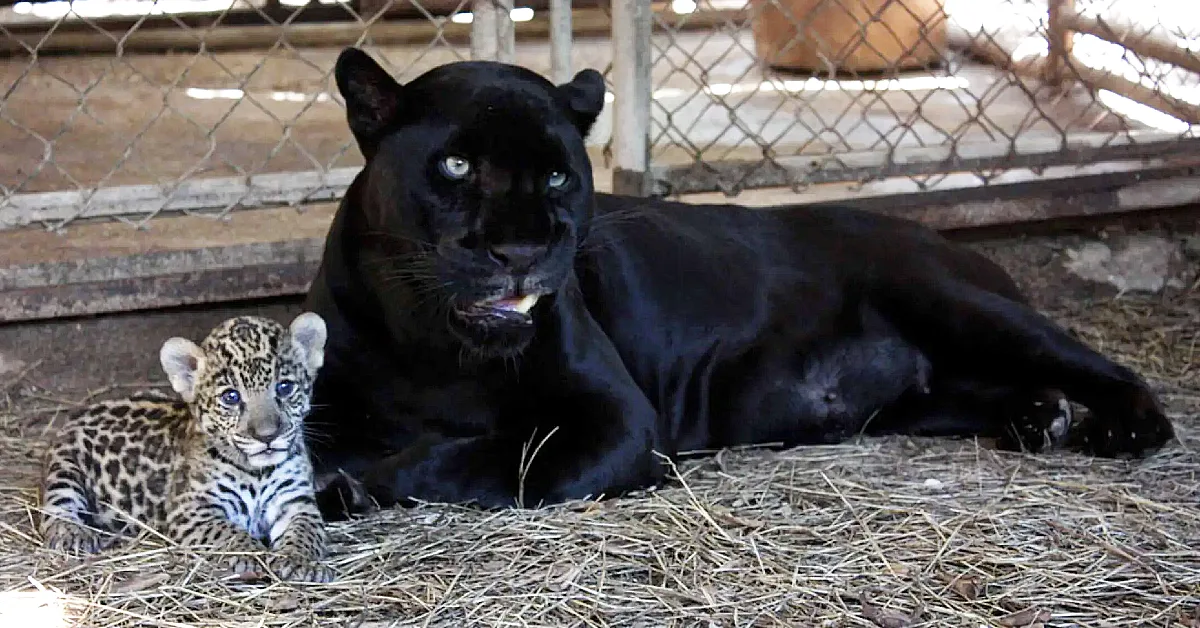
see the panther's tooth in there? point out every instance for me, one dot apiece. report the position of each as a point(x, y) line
point(526, 303)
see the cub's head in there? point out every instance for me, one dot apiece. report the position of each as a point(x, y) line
point(476, 192)
point(249, 383)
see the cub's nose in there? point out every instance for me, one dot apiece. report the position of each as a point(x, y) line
point(265, 431)
point(516, 255)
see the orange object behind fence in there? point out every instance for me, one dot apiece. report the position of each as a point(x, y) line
point(840, 36)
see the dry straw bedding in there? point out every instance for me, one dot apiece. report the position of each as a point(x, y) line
point(882, 532)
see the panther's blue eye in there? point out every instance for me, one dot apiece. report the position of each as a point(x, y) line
point(285, 389)
point(231, 397)
point(455, 167)
point(557, 180)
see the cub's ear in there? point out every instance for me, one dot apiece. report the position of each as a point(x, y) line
point(181, 359)
point(308, 336)
point(372, 97)
point(584, 97)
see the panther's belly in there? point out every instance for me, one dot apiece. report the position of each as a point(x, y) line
point(821, 395)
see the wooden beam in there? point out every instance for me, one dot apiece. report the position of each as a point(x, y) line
point(105, 267)
point(1060, 41)
point(292, 188)
point(1170, 105)
point(955, 187)
point(1140, 41)
point(1047, 70)
point(585, 22)
point(1021, 152)
point(182, 260)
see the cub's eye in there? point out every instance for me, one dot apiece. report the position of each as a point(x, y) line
point(231, 397)
point(454, 167)
point(557, 180)
point(285, 389)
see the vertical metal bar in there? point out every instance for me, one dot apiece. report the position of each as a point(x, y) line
point(1060, 42)
point(506, 32)
point(560, 41)
point(493, 37)
point(484, 44)
point(631, 21)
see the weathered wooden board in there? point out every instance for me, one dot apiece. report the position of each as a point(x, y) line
point(181, 260)
point(108, 267)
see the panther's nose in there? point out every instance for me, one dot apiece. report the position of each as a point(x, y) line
point(516, 256)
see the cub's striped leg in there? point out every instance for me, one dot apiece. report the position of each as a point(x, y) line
point(302, 543)
point(65, 502)
point(296, 531)
point(196, 521)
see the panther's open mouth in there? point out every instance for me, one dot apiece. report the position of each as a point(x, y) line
point(501, 310)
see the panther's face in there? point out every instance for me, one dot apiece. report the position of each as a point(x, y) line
point(476, 193)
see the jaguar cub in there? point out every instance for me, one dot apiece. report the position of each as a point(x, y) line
point(226, 468)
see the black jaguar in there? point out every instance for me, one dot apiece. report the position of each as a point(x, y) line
point(500, 333)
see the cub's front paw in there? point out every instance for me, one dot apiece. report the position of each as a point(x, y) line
point(243, 558)
point(72, 538)
point(298, 569)
point(1132, 422)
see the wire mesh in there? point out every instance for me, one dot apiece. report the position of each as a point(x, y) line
point(206, 106)
point(799, 92)
point(135, 128)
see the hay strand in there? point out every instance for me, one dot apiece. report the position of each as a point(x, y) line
point(877, 533)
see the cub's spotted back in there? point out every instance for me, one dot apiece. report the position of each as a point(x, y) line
point(223, 467)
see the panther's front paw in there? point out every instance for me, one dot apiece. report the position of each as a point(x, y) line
point(1040, 424)
point(1132, 422)
point(339, 496)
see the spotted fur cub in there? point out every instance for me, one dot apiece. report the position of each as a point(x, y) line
point(224, 469)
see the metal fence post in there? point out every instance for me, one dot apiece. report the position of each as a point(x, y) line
point(493, 37)
point(560, 41)
point(631, 22)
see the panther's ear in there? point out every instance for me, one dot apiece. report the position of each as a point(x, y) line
point(181, 359)
point(308, 335)
point(584, 96)
point(372, 97)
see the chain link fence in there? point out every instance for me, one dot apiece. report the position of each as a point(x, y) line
point(937, 93)
point(130, 110)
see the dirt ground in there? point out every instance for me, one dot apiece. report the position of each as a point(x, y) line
point(879, 532)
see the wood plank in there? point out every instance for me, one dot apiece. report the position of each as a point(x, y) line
point(1021, 152)
point(1138, 40)
point(33, 257)
point(101, 267)
point(1138, 92)
point(107, 267)
point(959, 185)
point(134, 293)
point(1060, 41)
point(291, 188)
point(589, 21)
